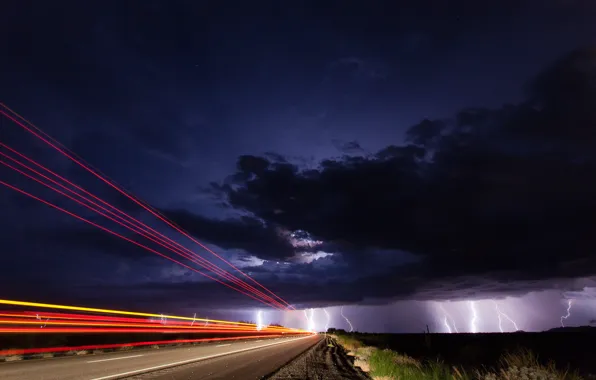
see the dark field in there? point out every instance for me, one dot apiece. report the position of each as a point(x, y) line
point(573, 350)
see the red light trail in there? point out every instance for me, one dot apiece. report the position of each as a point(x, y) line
point(124, 238)
point(103, 311)
point(121, 323)
point(87, 323)
point(19, 120)
point(26, 351)
point(58, 330)
point(29, 316)
point(195, 258)
point(20, 322)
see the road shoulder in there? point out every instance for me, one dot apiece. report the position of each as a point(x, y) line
point(325, 360)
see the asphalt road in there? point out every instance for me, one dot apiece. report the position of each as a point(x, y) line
point(233, 360)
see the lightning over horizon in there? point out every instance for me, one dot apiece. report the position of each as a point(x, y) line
point(259, 320)
point(347, 320)
point(328, 319)
point(446, 319)
point(310, 319)
point(473, 327)
point(447, 325)
point(499, 314)
point(564, 317)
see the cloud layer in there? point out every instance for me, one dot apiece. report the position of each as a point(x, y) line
point(487, 196)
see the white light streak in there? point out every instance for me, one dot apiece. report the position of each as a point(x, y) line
point(39, 318)
point(510, 320)
point(447, 318)
point(347, 320)
point(569, 303)
point(447, 325)
point(259, 320)
point(328, 320)
point(310, 320)
point(473, 327)
point(499, 316)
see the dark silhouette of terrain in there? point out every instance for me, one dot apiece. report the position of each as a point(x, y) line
point(567, 347)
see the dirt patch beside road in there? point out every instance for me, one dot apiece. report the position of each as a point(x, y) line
point(324, 361)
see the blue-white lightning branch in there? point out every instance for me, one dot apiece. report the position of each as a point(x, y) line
point(499, 314)
point(39, 318)
point(328, 320)
point(341, 311)
point(446, 319)
point(309, 320)
point(569, 303)
point(259, 320)
point(473, 326)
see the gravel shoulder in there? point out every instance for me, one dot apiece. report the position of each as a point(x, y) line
point(324, 361)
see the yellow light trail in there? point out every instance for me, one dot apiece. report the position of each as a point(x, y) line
point(110, 311)
point(155, 326)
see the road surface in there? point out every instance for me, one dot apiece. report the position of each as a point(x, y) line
point(224, 360)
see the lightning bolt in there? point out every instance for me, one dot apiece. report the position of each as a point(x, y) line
point(446, 320)
point(569, 303)
point(447, 325)
point(259, 320)
point(328, 320)
point(347, 320)
point(511, 320)
point(39, 318)
point(499, 314)
point(309, 320)
point(473, 327)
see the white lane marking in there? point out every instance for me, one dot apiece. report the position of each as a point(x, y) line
point(224, 345)
point(194, 360)
point(107, 360)
point(258, 341)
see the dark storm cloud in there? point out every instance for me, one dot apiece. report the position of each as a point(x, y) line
point(246, 233)
point(501, 194)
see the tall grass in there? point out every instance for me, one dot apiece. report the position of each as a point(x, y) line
point(348, 342)
point(390, 365)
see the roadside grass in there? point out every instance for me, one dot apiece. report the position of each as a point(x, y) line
point(385, 364)
point(348, 342)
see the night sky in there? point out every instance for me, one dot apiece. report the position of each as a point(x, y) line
point(400, 160)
